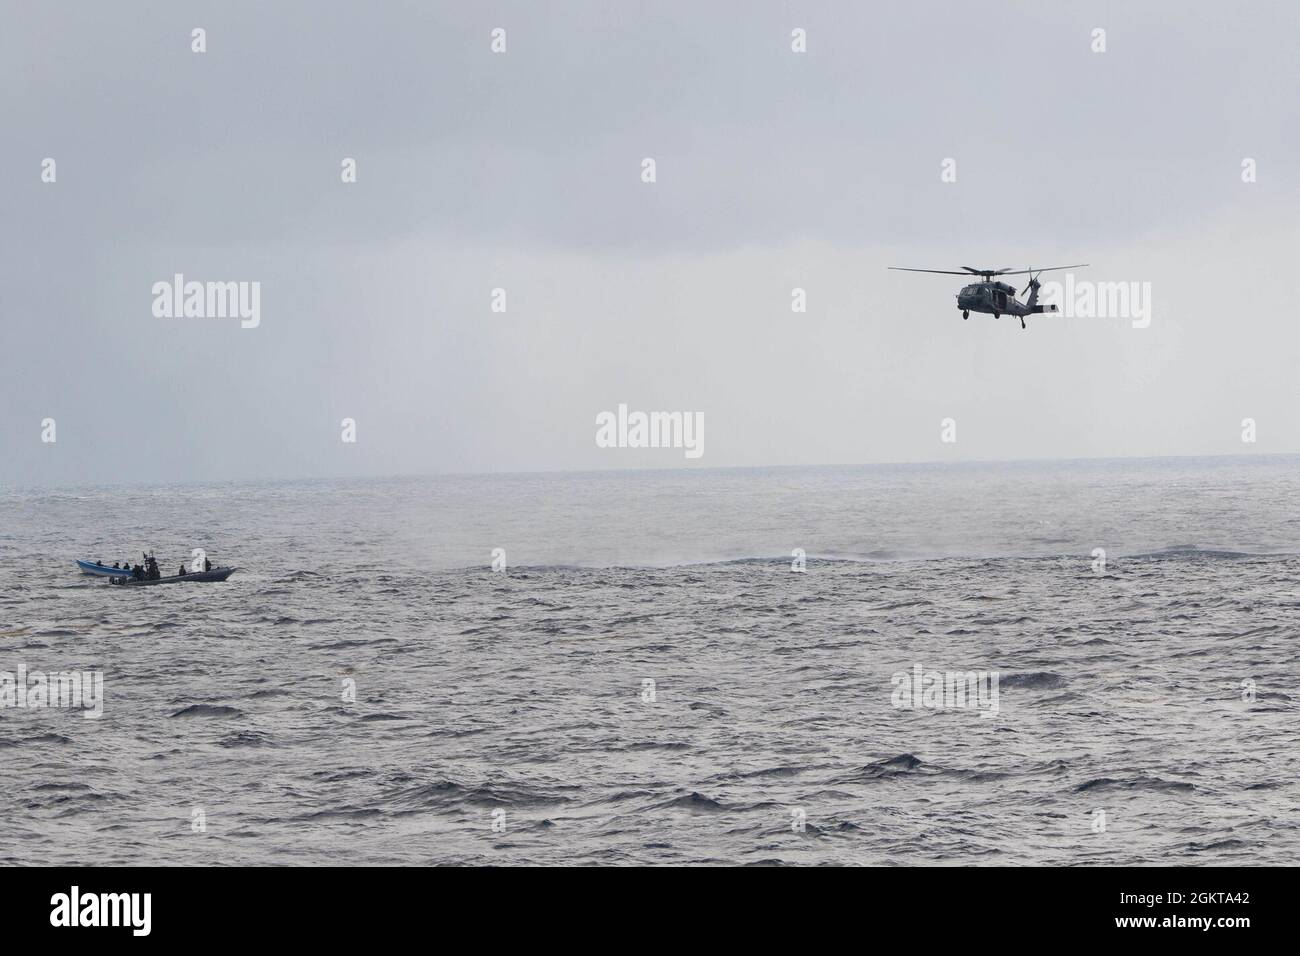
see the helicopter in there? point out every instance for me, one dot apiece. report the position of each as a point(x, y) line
point(998, 297)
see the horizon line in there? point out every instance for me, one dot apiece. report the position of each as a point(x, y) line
point(7, 487)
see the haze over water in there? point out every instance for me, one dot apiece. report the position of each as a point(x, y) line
point(1124, 691)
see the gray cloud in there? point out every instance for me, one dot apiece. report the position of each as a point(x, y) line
point(775, 170)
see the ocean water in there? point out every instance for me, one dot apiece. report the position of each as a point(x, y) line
point(367, 690)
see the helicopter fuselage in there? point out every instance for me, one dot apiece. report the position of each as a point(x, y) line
point(994, 298)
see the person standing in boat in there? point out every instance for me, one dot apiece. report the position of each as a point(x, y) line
point(207, 565)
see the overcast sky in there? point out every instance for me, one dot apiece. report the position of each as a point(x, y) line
point(522, 170)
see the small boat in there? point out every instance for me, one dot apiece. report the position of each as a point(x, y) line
point(91, 567)
point(198, 577)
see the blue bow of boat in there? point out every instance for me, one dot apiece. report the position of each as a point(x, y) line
point(90, 567)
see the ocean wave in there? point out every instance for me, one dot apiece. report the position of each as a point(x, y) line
point(1140, 782)
point(1082, 554)
point(208, 710)
point(1035, 680)
point(39, 739)
point(695, 802)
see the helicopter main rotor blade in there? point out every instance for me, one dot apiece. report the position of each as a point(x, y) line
point(1021, 272)
point(971, 270)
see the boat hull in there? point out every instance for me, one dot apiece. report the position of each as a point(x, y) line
point(194, 577)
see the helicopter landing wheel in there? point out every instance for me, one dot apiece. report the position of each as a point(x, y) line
point(997, 315)
point(965, 314)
